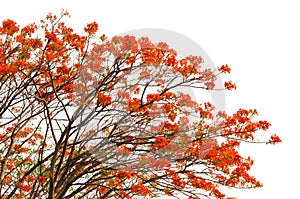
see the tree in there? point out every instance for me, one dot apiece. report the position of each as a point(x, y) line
point(82, 118)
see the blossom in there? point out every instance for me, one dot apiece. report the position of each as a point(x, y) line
point(224, 69)
point(91, 28)
point(229, 85)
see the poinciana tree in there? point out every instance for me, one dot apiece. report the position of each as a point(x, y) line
point(82, 118)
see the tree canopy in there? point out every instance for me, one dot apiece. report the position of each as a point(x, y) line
point(88, 117)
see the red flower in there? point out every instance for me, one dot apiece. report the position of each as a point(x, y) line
point(134, 105)
point(274, 139)
point(104, 100)
point(229, 85)
point(159, 143)
point(24, 187)
point(91, 28)
point(224, 69)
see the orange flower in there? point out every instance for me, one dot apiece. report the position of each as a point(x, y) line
point(7, 179)
point(24, 187)
point(224, 69)
point(229, 85)
point(134, 105)
point(274, 139)
point(104, 100)
point(160, 142)
point(9, 27)
point(140, 189)
point(153, 97)
point(91, 28)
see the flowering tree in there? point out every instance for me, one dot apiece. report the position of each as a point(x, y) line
point(81, 118)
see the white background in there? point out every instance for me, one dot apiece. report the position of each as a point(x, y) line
point(259, 40)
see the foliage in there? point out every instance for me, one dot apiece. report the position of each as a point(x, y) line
point(102, 119)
